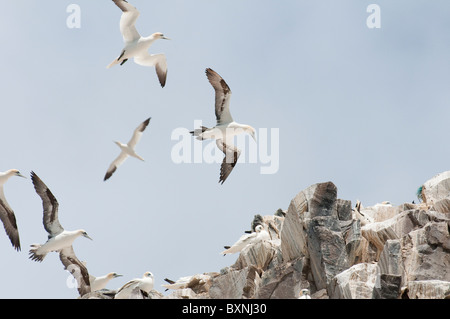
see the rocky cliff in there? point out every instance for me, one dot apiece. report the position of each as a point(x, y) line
point(323, 244)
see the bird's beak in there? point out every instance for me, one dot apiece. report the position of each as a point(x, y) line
point(87, 236)
point(166, 38)
point(254, 137)
point(117, 275)
point(20, 175)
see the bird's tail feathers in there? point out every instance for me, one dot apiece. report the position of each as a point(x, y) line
point(198, 132)
point(34, 255)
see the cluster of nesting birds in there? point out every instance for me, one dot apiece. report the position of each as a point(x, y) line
point(61, 240)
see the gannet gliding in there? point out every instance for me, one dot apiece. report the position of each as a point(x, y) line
point(225, 127)
point(127, 149)
point(136, 46)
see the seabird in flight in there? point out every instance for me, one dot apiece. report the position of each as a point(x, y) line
point(59, 239)
point(137, 46)
point(260, 234)
point(127, 149)
point(225, 127)
point(6, 213)
point(144, 284)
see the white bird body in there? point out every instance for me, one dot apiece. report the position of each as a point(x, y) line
point(127, 149)
point(7, 215)
point(99, 283)
point(58, 242)
point(137, 46)
point(260, 234)
point(225, 131)
point(145, 284)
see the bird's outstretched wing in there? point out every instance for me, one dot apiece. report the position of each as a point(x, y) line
point(9, 223)
point(158, 61)
point(242, 242)
point(223, 95)
point(137, 134)
point(115, 164)
point(232, 154)
point(76, 268)
point(128, 21)
point(50, 205)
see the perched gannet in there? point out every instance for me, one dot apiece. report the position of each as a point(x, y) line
point(6, 213)
point(186, 282)
point(260, 234)
point(144, 284)
point(136, 46)
point(127, 149)
point(98, 283)
point(77, 268)
point(58, 238)
point(225, 127)
point(304, 294)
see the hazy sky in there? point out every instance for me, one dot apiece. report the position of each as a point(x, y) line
point(367, 109)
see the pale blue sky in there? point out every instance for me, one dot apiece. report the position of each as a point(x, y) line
point(365, 108)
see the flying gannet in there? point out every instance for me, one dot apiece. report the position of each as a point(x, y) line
point(136, 46)
point(144, 284)
point(127, 149)
point(225, 127)
point(59, 239)
point(6, 213)
point(260, 234)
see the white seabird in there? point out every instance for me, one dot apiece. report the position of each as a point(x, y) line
point(260, 234)
point(7, 215)
point(127, 149)
point(144, 284)
point(186, 282)
point(136, 46)
point(225, 127)
point(59, 239)
point(99, 283)
point(304, 294)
